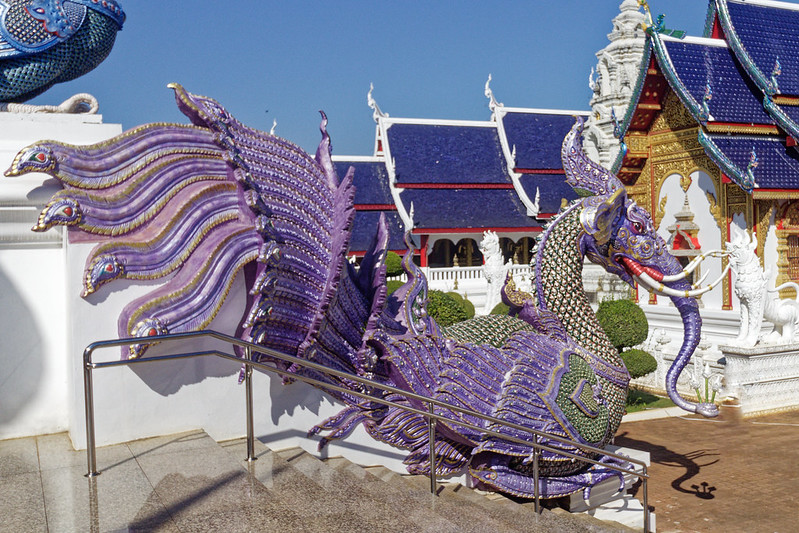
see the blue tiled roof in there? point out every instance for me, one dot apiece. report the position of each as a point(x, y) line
point(371, 181)
point(768, 33)
point(537, 137)
point(552, 187)
point(735, 98)
point(426, 153)
point(467, 208)
point(365, 225)
point(777, 165)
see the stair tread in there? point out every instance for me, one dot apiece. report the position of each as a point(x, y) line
point(320, 493)
point(386, 499)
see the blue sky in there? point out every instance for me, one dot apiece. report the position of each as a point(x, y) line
point(286, 60)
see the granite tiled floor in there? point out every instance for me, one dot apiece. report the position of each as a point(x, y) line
point(188, 482)
point(722, 475)
point(177, 483)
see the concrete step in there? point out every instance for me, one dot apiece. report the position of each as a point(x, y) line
point(388, 499)
point(327, 503)
point(505, 513)
point(189, 482)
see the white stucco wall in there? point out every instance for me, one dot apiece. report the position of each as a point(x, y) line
point(33, 351)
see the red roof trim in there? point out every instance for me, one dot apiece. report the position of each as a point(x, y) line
point(455, 185)
point(540, 171)
point(398, 252)
point(375, 207)
point(430, 231)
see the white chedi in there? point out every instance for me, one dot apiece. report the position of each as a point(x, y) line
point(759, 298)
point(494, 269)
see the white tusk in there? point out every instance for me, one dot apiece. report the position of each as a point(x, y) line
point(699, 282)
point(693, 265)
point(658, 288)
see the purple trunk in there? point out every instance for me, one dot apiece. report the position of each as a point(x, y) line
point(692, 326)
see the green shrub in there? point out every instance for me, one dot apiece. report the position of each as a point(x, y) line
point(444, 309)
point(468, 306)
point(392, 285)
point(464, 302)
point(500, 309)
point(393, 265)
point(455, 296)
point(624, 323)
point(639, 363)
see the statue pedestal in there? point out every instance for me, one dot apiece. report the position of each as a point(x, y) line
point(610, 504)
point(763, 378)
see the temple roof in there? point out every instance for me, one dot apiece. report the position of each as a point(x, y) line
point(537, 136)
point(737, 87)
point(370, 180)
point(456, 176)
point(764, 34)
point(363, 230)
point(765, 160)
point(476, 209)
point(551, 188)
point(700, 64)
point(425, 152)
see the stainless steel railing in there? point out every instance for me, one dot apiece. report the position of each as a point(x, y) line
point(91, 453)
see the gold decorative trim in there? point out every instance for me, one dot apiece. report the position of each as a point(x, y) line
point(764, 212)
point(742, 128)
point(715, 208)
point(661, 212)
point(785, 100)
point(791, 194)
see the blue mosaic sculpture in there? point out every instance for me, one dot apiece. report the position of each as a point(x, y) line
point(43, 42)
point(197, 204)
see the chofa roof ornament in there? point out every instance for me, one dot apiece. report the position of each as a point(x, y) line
point(372, 103)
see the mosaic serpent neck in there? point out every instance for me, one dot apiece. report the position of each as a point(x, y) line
point(559, 284)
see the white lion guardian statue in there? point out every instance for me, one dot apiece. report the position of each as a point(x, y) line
point(758, 300)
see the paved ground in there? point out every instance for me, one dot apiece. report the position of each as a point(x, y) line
point(723, 475)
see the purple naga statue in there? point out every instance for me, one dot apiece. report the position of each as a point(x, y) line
point(196, 204)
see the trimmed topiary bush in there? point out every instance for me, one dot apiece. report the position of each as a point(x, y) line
point(500, 309)
point(464, 302)
point(455, 296)
point(639, 363)
point(392, 285)
point(468, 307)
point(624, 322)
point(393, 265)
point(444, 309)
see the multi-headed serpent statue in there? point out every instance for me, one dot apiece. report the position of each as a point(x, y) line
point(197, 204)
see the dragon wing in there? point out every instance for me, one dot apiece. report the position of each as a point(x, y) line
point(195, 205)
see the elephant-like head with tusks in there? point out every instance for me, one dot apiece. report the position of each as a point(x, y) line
point(621, 237)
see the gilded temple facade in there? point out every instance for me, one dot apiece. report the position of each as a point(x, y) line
point(713, 124)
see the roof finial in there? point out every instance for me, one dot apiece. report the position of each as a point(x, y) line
point(749, 178)
point(706, 102)
point(373, 104)
point(274, 125)
point(410, 224)
point(657, 25)
point(492, 102)
point(776, 71)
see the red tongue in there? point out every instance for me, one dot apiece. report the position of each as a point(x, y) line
point(636, 269)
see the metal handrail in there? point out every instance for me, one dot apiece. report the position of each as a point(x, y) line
point(430, 415)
